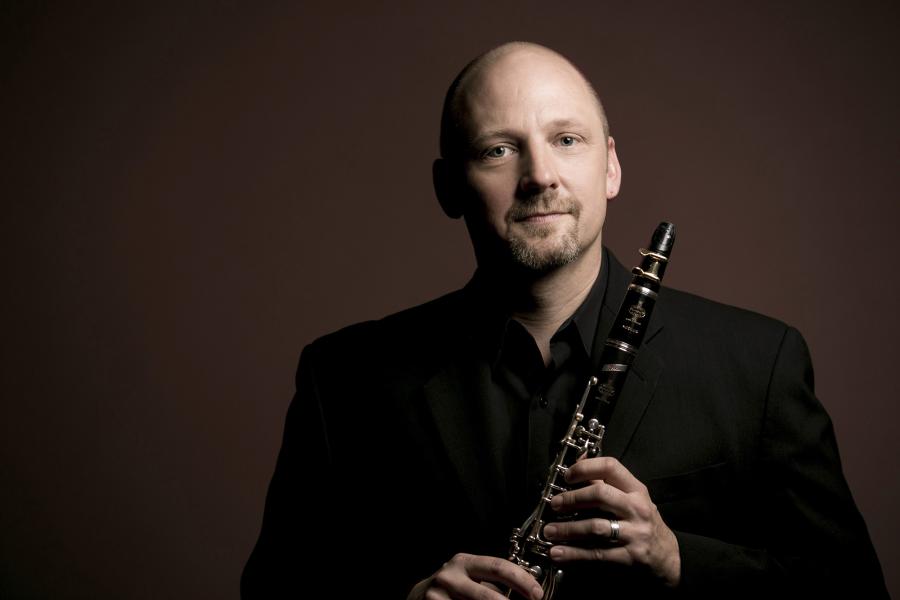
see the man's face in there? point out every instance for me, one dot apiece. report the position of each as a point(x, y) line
point(538, 170)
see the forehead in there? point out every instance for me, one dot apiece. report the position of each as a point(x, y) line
point(526, 89)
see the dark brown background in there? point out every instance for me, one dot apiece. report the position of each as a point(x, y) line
point(192, 193)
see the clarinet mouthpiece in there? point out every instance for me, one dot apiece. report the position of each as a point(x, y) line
point(663, 239)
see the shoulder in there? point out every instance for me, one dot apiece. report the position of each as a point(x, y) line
point(712, 319)
point(418, 331)
point(721, 333)
point(691, 319)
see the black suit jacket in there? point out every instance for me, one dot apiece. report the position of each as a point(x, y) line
point(388, 466)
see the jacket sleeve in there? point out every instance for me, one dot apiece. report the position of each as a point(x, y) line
point(279, 565)
point(815, 538)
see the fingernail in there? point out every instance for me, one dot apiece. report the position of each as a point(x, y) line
point(550, 531)
point(556, 552)
point(537, 592)
point(556, 503)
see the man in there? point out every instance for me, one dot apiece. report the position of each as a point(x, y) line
point(417, 442)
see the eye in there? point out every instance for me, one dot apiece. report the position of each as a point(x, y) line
point(497, 152)
point(568, 140)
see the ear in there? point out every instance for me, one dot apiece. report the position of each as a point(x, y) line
point(613, 170)
point(446, 189)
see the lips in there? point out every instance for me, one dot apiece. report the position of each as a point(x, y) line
point(538, 217)
point(544, 208)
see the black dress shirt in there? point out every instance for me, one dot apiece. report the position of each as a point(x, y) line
point(530, 404)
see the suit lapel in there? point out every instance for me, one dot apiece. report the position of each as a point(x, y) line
point(640, 384)
point(635, 398)
point(455, 399)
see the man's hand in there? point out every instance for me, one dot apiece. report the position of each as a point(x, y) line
point(643, 538)
point(478, 578)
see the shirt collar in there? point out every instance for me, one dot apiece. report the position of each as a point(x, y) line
point(491, 320)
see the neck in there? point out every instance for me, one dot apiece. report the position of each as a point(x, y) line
point(542, 302)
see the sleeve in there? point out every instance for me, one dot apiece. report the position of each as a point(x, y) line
point(279, 564)
point(815, 540)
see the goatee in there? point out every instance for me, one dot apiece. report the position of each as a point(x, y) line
point(525, 248)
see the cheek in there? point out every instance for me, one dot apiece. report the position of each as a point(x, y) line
point(593, 205)
point(583, 176)
point(489, 198)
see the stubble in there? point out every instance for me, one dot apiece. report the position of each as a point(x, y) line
point(528, 247)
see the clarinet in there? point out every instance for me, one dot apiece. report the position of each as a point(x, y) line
point(584, 437)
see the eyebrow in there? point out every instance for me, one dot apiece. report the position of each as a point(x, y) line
point(563, 123)
point(479, 140)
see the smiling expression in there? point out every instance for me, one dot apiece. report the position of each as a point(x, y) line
point(537, 163)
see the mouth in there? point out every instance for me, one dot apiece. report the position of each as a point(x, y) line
point(542, 217)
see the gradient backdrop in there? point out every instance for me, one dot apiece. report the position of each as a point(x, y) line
point(193, 192)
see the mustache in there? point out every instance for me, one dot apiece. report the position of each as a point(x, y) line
point(547, 202)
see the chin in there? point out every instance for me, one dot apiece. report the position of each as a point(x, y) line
point(534, 257)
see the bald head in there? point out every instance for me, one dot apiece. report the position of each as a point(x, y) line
point(489, 65)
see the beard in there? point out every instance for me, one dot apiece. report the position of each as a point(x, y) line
point(526, 253)
point(531, 248)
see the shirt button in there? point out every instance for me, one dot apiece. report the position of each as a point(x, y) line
point(543, 401)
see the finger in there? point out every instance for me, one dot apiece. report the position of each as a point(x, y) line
point(436, 593)
point(606, 468)
point(470, 590)
point(453, 581)
point(584, 529)
point(599, 494)
point(499, 570)
point(573, 553)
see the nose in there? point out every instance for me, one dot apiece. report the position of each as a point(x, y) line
point(538, 170)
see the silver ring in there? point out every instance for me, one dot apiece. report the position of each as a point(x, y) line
point(613, 530)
